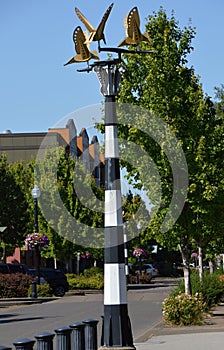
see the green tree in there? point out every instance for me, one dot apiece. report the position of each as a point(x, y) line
point(219, 104)
point(163, 84)
point(58, 205)
point(68, 217)
point(13, 205)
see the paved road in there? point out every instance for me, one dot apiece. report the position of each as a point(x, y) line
point(26, 321)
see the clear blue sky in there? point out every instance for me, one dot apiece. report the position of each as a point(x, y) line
point(36, 90)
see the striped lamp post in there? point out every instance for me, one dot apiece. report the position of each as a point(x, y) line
point(116, 323)
point(126, 252)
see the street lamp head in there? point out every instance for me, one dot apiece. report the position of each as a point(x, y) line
point(35, 192)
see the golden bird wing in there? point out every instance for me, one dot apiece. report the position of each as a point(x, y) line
point(133, 22)
point(101, 26)
point(85, 21)
point(136, 16)
point(133, 32)
point(80, 46)
point(72, 60)
point(133, 14)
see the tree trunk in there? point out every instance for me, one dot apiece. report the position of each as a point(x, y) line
point(200, 263)
point(3, 259)
point(187, 280)
point(222, 262)
point(211, 266)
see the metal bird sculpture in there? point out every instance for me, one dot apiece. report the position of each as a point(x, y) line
point(95, 34)
point(81, 48)
point(132, 25)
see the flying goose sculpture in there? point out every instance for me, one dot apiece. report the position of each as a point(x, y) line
point(95, 34)
point(82, 49)
point(132, 25)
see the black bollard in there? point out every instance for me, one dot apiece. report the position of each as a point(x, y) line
point(34, 290)
point(2, 347)
point(45, 341)
point(78, 337)
point(90, 334)
point(63, 338)
point(24, 344)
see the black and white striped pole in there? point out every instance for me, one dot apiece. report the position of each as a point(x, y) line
point(126, 252)
point(116, 330)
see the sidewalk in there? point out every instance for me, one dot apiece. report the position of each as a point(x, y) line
point(198, 341)
point(209, 336)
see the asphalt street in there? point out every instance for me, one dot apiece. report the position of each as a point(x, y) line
point(26, 321)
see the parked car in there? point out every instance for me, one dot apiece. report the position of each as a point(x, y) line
point(13, 268)
point(150, 268)
point(147, 268)
point(56, 279)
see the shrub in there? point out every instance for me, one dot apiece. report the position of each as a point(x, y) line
point(43, 290)
point(92, 271)
point(142, 279)
point(14, 285)
point(221, 278)
point(83, 282)
point(211, 288)
point(184, 310)
point(19, 285)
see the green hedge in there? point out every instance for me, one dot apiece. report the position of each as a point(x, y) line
point(90, 279)
point(83, 282)
point(43, 290)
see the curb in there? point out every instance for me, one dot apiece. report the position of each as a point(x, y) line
point(23, 301)
point(149, 333)
point(4, 302)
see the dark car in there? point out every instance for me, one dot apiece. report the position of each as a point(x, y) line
point(56, 279)
point(13, 268)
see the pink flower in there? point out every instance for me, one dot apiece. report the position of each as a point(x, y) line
point(36, 239)
point(86, 256)
point(139, 252)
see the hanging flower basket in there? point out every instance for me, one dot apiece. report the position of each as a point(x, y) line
point(86, 256)
point(139, 252)
point(36, 240)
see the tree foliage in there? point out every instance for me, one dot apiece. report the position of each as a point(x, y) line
point(163, 84)
point(13, 204)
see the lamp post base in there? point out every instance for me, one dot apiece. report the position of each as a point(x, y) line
point(116, 328)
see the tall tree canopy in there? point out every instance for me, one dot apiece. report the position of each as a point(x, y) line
point(14, 207)
point(164, 85)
